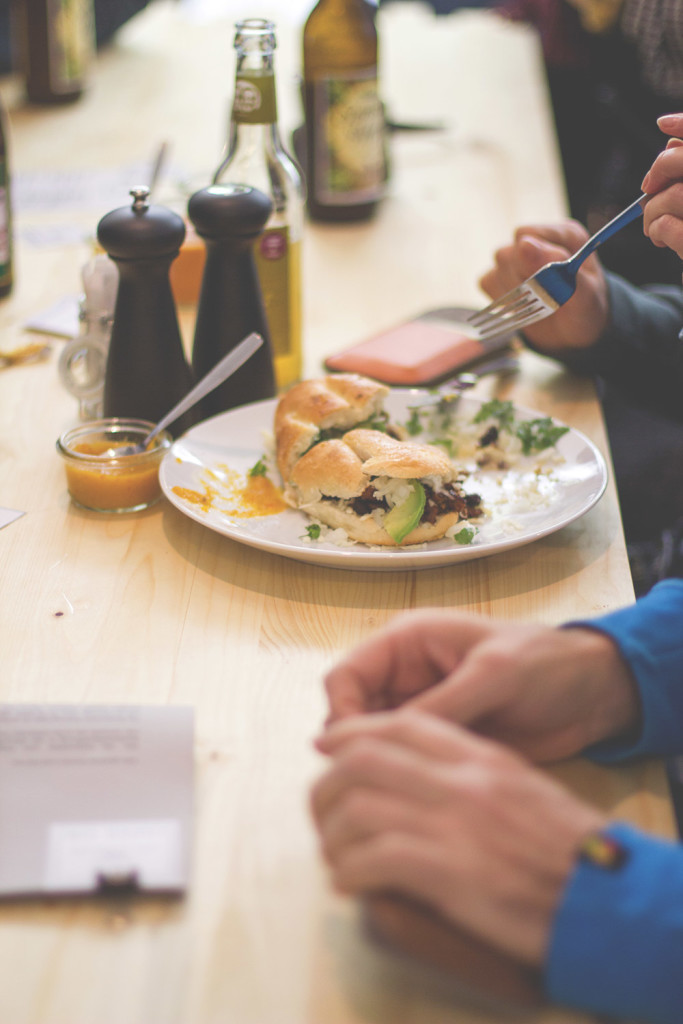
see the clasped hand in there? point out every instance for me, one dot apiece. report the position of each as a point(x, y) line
point(416, 803)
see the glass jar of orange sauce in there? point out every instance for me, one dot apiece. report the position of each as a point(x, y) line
point(100, 480)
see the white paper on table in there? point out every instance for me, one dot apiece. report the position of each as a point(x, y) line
point(61, 318)
point(8, 515)
point(82, 189)
point(95, 798)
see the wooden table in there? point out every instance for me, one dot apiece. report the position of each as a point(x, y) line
point(156, 609)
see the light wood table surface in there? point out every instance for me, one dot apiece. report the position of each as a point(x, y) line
point(154, 608)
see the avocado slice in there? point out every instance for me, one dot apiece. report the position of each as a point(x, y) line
point(401, 519)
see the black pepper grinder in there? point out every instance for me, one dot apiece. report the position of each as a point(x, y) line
point(147, 372)
point(229, 218)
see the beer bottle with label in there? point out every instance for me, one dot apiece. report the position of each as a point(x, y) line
point(255, 156)
point(5, 211)
point(56, 40)
point(345, 145)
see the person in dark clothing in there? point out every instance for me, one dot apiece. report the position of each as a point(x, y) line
point(630, 338)
point(613, 67)
point(110, 15)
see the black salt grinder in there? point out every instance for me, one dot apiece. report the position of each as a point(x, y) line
point(229, 218)
point(147, 372)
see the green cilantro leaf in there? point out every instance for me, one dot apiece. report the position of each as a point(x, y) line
point(465, 535)
point(258, 469)
point(497, 410)
point(538, 434)
point(313, 531)
point(414, 426)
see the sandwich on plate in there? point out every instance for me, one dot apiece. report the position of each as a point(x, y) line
point(345, 465)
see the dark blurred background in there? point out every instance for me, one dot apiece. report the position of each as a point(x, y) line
point(109, 16)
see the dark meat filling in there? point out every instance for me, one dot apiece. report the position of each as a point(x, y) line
point(490, 437)
point(437, 503)
point(367, 501)
point(450, 499)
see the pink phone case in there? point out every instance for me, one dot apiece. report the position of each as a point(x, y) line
point(419, 351)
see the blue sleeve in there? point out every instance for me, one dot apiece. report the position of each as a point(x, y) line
point(617, 941)
point(649, 635)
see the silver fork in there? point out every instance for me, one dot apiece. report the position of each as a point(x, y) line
point(549, 288)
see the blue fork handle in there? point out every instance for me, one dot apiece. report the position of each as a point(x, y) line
point(631, 212)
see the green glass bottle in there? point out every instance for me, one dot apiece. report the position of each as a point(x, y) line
point(255, 156)
point(346, 167)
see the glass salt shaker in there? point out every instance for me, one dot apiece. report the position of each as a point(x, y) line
point(83, 360)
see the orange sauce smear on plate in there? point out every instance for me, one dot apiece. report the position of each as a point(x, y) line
point(247, 498)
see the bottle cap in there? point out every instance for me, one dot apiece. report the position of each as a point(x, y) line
point(229, 210)
point(141, 231)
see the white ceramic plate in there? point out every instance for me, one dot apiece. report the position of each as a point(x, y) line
point(234, 441)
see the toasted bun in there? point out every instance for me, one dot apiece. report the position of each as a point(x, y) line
point(341, 469)
point(367, 530)
point(383, 455)
point(341, 401)
point(330, 468)
point(344, 467)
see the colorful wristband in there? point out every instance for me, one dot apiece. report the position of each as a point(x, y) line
point(603, 851)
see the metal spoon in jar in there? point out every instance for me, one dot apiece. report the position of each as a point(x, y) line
point(221, 371)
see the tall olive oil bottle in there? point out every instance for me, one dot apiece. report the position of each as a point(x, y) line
point(345, 149)
point(255, 156)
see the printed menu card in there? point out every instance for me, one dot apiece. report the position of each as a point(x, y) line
point(94, 798)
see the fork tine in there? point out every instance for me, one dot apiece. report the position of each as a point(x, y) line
point(487, 311)
point(511, 324)
point(522, 306)
point(533, 310)
point(511, 311)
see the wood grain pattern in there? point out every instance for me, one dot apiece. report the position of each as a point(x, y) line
point(154, 608)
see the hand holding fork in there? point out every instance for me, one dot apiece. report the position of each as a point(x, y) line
point(548, 289)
